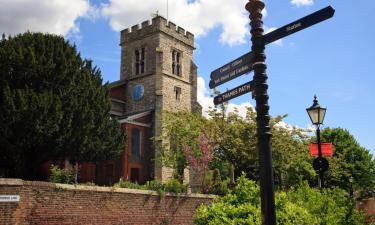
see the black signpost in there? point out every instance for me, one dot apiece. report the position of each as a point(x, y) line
point(232, 70)
point(243, 64)
point(234, 93)
point(255, 60)
point(298, 25)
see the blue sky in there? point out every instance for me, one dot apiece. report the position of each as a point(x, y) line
point(334, 59)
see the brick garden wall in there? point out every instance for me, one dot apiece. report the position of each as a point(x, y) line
point(48, 203)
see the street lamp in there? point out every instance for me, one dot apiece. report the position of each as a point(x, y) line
point(316, 114)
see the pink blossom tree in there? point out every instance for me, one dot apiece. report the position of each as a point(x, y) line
point(200, 159)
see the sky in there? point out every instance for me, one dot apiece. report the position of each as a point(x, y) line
point(334, 59)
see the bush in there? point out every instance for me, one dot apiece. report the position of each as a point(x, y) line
point(330, 206)
point(213, 184)
point(172, 186)
point(63, 176)
point(303, 205)
point(128, 184)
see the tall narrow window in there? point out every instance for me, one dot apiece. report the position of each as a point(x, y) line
point(176, 63)
point(136, 142)
point(139, 61)
point(177, 91)
point(142, 60)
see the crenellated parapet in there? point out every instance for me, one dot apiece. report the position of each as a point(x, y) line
point(157, 24)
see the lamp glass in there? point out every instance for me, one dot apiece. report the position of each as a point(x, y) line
point(322, 114)
point(316, 114)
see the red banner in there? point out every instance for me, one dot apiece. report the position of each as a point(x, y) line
point(327, 149)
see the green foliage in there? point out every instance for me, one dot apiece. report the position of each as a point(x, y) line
point(174, 186)
point(171, 186)
point(349, 160)
point(237, 142)
point(127, 184)
point(213, 183)
point(179, 130)
point(241, 206)
point(63, 176)
point(302, 205)
point(234, 141)
point(52, 105)
point(334, 204)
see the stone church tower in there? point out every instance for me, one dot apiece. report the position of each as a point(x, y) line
point(157, 74)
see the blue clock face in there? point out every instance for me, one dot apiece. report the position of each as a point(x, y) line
point(138, 92)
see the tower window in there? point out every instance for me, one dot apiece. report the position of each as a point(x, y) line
point(139, 61)
point(177, 91)
point(136, 142)
point(176, 63)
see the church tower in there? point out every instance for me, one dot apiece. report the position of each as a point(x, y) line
point(157, 74)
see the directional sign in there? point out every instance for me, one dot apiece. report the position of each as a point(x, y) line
point(298, 25)
point(244, 63)
point(240, 90)
point(232, 70)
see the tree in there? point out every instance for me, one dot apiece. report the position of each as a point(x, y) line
point(179, 130)
point(290, 152)
point(352, 166)
point(53, 105)
point(200, 160)
point(234, 142)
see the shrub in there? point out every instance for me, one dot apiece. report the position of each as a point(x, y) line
point(173, 186)
point(329, 206)
point(127, 184)
point(213, 184)
point(302, 205)
point(154, 185)
point(63, 176)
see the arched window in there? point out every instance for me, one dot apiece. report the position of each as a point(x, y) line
point(136, 142)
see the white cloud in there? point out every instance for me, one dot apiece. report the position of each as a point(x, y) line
point(198, 17)
point(203, 96)
point(206, 101)
point(264, 13)
point(241, 108)
point(286, 126)
point(52, 16)
point(300, 3)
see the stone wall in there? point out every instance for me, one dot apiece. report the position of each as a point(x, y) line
point(48, 203)
point(148, 100)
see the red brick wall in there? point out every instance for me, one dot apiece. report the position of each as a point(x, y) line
point(118, 92)
point(48, 203)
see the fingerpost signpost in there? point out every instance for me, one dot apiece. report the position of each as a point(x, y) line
point(255, 61)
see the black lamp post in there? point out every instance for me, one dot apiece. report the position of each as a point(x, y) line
point(316, 114)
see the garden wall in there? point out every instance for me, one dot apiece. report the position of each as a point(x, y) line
point(49, 203)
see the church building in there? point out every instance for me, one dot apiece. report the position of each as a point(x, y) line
point(157, 74)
